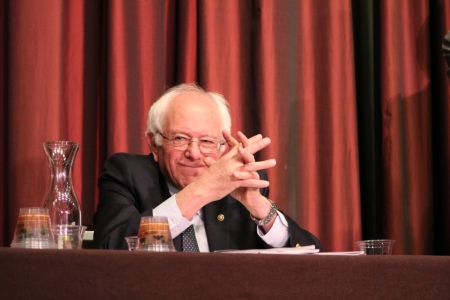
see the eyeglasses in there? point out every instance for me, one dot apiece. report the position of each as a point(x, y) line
point(182, 142)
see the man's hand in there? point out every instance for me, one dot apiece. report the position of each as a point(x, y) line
point(250, 197)
point(234, 173)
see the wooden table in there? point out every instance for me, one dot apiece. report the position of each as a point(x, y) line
point(114, 274)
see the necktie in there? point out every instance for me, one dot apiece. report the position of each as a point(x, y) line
point(189, 240)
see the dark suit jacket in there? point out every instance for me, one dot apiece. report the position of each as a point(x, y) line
point(132, 185)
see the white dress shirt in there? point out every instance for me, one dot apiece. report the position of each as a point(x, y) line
point(277, 236)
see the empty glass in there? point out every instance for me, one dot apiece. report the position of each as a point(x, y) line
point(131, 241)
point(154, 235)
point(33, 229)
point(376, 247)
point(69, 236)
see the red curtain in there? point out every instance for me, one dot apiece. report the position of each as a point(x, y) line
point(406, 122)
point(88, 71)
point(406, 92)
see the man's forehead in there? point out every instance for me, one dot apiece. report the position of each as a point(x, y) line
point(192, 101)
point(190, 109)
point(191, 97)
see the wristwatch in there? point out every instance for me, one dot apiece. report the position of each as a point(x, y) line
point(272, 211)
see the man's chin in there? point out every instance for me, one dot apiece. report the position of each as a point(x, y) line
point(189, 175)
point(192, 172)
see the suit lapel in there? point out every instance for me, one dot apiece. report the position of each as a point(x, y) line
point(216, 218)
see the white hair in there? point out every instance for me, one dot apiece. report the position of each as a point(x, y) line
point(158, 111)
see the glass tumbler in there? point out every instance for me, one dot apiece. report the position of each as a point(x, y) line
point(33, 229)
point(154, 235)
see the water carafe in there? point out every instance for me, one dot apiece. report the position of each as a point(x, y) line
point(61, 199)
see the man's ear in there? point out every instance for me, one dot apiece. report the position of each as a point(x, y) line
point(153, 147)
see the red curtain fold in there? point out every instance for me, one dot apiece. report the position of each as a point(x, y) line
point(442, 206)
point(185, 58)
point(135, 78)
point(312, 128)
point(3, 128)
point(72, 88)
point(225, 64)
point(406, 108)
point(35, 109)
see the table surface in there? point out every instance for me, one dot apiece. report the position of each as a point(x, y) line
point(114, 274)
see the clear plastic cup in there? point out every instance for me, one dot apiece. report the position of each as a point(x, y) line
point(33, 229)
point(68, 236)
point(154, 235)
point(376, 247)
point(131, 241)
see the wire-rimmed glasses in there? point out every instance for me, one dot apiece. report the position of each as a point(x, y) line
point(182, 142)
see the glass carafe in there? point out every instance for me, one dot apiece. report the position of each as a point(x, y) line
point(61, 199)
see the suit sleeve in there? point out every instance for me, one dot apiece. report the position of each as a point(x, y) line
point(298, 235)
point(117, 214)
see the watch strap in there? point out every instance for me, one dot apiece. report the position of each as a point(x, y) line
point(272, 211)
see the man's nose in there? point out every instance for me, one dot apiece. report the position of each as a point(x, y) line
point(194, 151)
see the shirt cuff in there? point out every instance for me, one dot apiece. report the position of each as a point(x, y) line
point(169, 209)
point(278, 235)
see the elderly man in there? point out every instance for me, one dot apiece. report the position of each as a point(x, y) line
point(197, 175)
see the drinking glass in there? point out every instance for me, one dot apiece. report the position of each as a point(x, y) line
point(33, 229)
point(154, 235)
point(131, 241)
point(376, 247)
point(68, 236)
